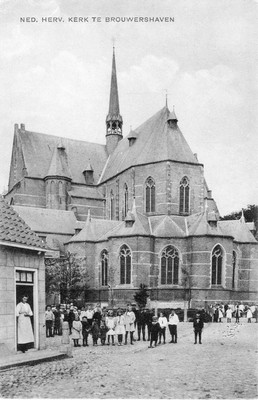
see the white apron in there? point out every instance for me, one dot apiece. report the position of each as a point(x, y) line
point(25, 334)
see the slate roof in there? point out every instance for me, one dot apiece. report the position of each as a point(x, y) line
point(113, 112)
point(238, 229)
point(45, 220)
point(166, 227)
point(38, 148)
point(156, 141)
point(59, 164)
point(14, 230)
point(197, 225)
point(95, 230)
point(140, 226)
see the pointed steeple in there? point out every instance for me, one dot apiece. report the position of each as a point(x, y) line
point(114, 120)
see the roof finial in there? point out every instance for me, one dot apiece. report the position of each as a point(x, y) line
point(242, 218)
point(166, 98)
point(114, 42)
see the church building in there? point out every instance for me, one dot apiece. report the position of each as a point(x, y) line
point(139, 210)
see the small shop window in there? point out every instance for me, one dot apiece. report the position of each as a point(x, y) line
point(24, 276)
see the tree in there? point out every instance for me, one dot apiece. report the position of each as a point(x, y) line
point(186, 283)
point(66, 276)
point(141, 296)
point(250, 214)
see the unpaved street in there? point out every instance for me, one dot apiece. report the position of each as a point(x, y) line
point(224, 366)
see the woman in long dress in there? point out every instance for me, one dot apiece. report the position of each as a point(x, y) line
point(25, 333)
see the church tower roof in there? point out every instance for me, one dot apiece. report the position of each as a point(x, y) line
point(114, 120)
point(113, 111)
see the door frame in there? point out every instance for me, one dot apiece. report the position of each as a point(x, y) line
point(35, 304)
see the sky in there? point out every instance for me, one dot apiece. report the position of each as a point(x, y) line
point(55, 78)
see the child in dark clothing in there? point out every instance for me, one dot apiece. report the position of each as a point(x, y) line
point(198, 327)
point(95, 332)
point(154, 331)
point(103, 332)
point(85, 330)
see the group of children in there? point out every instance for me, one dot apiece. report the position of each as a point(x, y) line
point(104, 329)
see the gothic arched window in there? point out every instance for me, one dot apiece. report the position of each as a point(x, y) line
point(125, 265)
point(234, 260)
point(112, 205)
point(125, 199)
point(169, 266)
point(217, 260)
point(104, 268)
point(184, 194)
point(150, 195)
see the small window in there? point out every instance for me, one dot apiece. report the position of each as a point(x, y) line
point(150, 195)
point(112, 205)
point(217, 259)
point(24, 276)
point(104, 268)
point(184, 194)
point(125, 200)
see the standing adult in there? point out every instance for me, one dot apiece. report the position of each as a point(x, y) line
point(49, 319)
point(25, 333)
point(141, 324)
point(172, 325)
point(198, 327)
point(71, 318)
point(129, 324)
point(237, 315)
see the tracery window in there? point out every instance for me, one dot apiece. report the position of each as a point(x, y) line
point(104, 268)
point(150, 195)
point(217, 259)
point(125, 265)
point(184, 194)
point(170, 266)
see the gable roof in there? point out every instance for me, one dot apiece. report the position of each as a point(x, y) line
point(14, 231)
point(155, 142)
point(38, 149)
point(166, 226)
point(46, 220)
point(238, 229)
point(95, 230)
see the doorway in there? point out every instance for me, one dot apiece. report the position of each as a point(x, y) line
point(27, 290)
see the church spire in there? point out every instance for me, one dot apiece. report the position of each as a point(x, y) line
point(114, 120)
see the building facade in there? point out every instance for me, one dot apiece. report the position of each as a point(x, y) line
point(137, 208)
point(22, 272)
